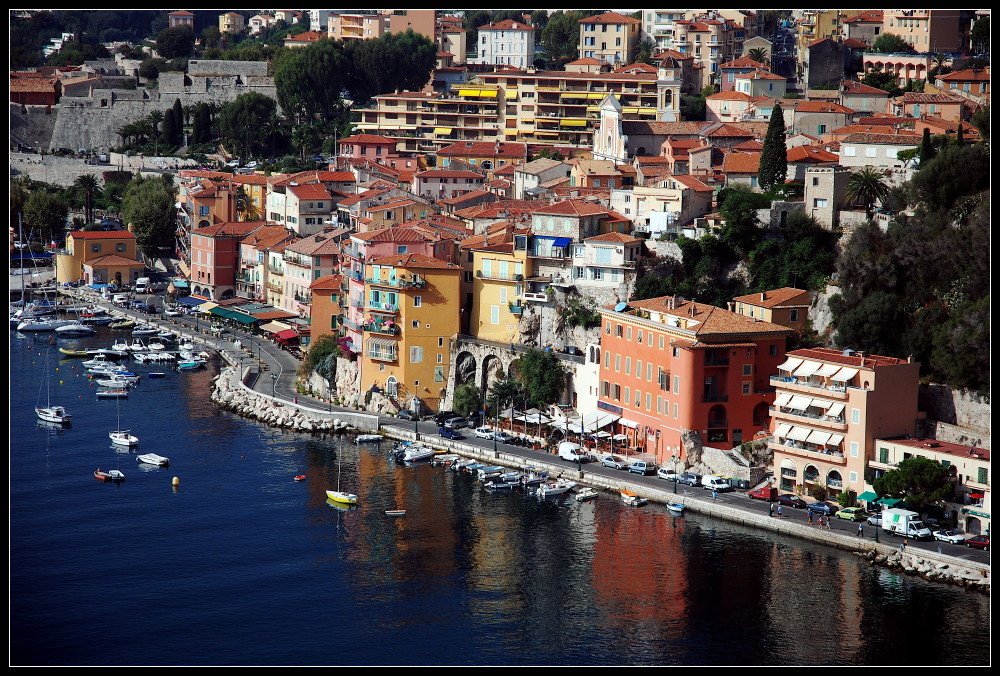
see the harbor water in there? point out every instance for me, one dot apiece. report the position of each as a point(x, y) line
point(239, 564)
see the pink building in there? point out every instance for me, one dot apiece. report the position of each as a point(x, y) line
point(215, 258)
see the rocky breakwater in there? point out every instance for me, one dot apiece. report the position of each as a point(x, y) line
point(913, 563)
point(229, 394)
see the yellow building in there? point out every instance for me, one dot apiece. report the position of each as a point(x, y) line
point(99, 257)
point(495, 274)
point(411, 315)
point(787, 306)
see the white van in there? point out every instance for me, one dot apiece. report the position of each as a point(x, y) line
point(143, 285)
point(710, 482)
point(572, 452)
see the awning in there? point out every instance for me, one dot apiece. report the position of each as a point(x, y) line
point(976, 496)
point(835, 409)
point(510, 132)
point(818, 437)
point(190, 301)
point(573, 95)
point(799, 403)
point(442, 130)
point(572, 123)
point(596, 95)
point(287, 334)
point(790, 364)
point(631, 109)
point(827, 370)
point(647, 111)
point(511, 94)
point(799, 433)
point(867, 496)
point(783, 399)
point(468, 92)
point(782, 430)
point(628, 423)
point(561, 241)
point(207, 306)
point(844, 374)
point(806, 369)
point(788, 463)
point(242, 318)
point(274, 327)
point(595, 420)
point(889, 502)
point(835, 440)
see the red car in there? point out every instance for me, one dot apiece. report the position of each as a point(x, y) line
point(979, 542)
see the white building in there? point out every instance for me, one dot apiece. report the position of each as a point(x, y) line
point(507, 43)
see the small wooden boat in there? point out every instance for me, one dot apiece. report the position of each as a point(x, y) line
point(300, 477)
point(110, 475)
point(633, 500)
point(395, 512)
point(586, 494)
point(675, 507)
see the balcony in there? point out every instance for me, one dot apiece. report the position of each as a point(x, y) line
point(806, 417)
point(499, 277)
point(274, 286)
point(379, 355)
point(398, 283)
point(535, 297)
point(382, 307)
point(712, 397)
point(808, 451)
point(714, 360)
point(383, 328)
point(515, 309)
point(795, 385)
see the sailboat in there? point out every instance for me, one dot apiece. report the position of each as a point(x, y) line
point(121, 437)
point(50, 413)
point(339, 496)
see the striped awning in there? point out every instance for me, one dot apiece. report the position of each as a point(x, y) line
point(799, 403)
point(844, 374)
point(806, 369)
point(799, 433)
point(818, 437)
point(790, 364)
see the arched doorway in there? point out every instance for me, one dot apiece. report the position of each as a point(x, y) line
point(788, 475)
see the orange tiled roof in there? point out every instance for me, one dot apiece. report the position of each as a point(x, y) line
point(572, 208)
point(739, 162)
point(744, 62)
point(784, 297)
point(821, 107)
point(616, 237)
point(327, 283)
point(414, 261)
point(367, 138)
point(610, 18)
point(113, 261)
point(810, 154)
point(712, 321)
point(507, 25)
point(101, 234)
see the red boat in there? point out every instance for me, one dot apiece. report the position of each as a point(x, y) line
point(101, 475)
point(300, 477)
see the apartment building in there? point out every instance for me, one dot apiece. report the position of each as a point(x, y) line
point(829, 408)
point(326, 317)
point(306, 260)
point(969, 507)
point(609, 37)
point(446, 183)
point(231, 22)
point(930, 30)
point(252, 277)
point(494, 283)
point(215, 258)
point(506, 43)
point(786, 306)
point(676, 373)
point(357, 26)
point(410, 319)
point(99, 257)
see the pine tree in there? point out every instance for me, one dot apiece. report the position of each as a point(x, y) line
point(774, 156)
point(927, 151)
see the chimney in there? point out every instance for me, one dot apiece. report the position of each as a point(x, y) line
point(763, 295)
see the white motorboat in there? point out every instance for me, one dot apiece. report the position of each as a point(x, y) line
point(41, 324)
point(145, 331)
point(586, 494)
point(75, 329)
point(153, 459)
point(98, 361)
point(632, 500)
point(417, 453)
point(557, 487)
point(368, 438)
point(123, 438)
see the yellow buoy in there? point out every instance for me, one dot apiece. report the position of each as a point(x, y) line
point(176, 481)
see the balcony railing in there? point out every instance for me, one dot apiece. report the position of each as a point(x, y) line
point(710, 397)
point(785, 411)
point(379, 355)
point(786, 471)
point(516, 309)
point(818, 453)
point(383, 328)
point(786, 381)
point(382, 307)
point(535, 297)
point(716, 361)
point(398, 283)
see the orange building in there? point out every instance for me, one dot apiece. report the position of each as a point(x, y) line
point(325, 312)
point(672, 367)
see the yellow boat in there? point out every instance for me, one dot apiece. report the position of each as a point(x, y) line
point(342, 498)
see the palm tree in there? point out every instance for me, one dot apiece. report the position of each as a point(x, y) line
point(758, 54)
point(645, 52)
point(245, 209)
point(89, 184)
point(867, 186)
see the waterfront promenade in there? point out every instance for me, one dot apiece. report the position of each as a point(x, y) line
point(276, 381)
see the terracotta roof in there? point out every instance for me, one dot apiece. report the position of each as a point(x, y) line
point(739, 162)
point(309, 191)
point(751, 146)
point(784, 297)
point(267, 236)
point(693, 183)
point(396, 234)
point(821, 107)
point(865, 128)
point(884, 139)
point(866, 16)
point(320, 244)
point(636, 68)
point(308, 36)
point(229, 229)
point(398, 202)
point(616, 237)
point(414, 261)
point(19, 84)
point(852, 87)
point(113, 261)
point(586, 61)
point(960, 450)
point(507, 25)
point(500, 209)
point(249, 179)
point(101, 234)
point(759, 74)
point(917, 97)
point(505, 149)
point(572, 208)
point(744, 62)
point(854, 43)
point(610, 18)
point(710, 320)
point(327, 283)
point(465, 197)
point(838, 357)
point(729, 96)
point(447, 173)
point(810, 154)
point(367, 138)
point(967, 75)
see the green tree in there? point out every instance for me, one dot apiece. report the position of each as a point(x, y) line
point(875, 77)
point(148, 206)
point(919, 481)
point(867, 186)
point(956, 171)
point(19, 190)
point(980, 35)
point(467, 399)
point(89, 185)
point(773, 169)
point(175, 42)
point(309, 80)
point(758, 54)
point(542, 377)
point(890, 43)
point(645, 51)
point(561, 35)
point(927, 150)
point(739, 206)
point(45, 214)
point(505, 393)
point(179, 122)
point(245, 208)
point(241, 123)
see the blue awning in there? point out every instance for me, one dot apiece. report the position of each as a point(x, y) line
point(191, 301)
point(561, 241)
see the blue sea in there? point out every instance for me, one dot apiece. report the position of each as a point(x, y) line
point(238, 564)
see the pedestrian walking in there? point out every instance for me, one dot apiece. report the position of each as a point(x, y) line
point(904, 545)
point(861, 530)
point(770, 510)
point(809, 518)
point(779, 511)
point(715, 495)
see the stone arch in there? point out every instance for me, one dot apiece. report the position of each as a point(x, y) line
point(491, 372)
point(465, 368)
point(835, 480)
point(762, 415)
point(391, 385)
point(717, 416)
point(810, 473)
point(227, 294)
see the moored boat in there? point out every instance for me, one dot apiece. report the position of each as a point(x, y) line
point(153, 459)
point(632, 500)
point(395, 512)
point(123, 438)
point(675, 507)
point(368, 438)
point(113, 393)
point(557, 487)
point(586, 494)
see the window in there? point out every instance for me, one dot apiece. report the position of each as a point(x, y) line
point(415, 323)
point(675, 352)
point(883, 456)
point(854, 449)
point(438, 374)
point(677, 385)
point(628, 395)
point(440, 358)
point(871, 152)
point(983, 475)
point(120, 247)
point(628, 366)
point(417, 301)
point(819, 203)
point(494, 314)
point(853, 477)
point(793, 315)
point(855, 416)
point(401, 249)
point(748, 369)
point(618, 362)
point(628, 334)
point(607, 359)
point(675, 411)
point(661, 342)
point(649, 402)
point(746, 387)
point(440, 342)
point(468, 275)
point(773, 351)
point(638, 368)
point(849, 151)
point(638, 337)
point(416, 354)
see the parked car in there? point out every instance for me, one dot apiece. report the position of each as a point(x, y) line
point(614, 462)
point(951, 535)
point(791, 501)
point(441, 416)
point(852, 513)
point(824, 508)
point(407, 414)
point(252, 164)
point(668, 474)
point(689, 479)
point(448, 433)
point(172, 312)
point(874, 519)
point(978, 542)
point(233, 163)
point(767, 493)
point(456, 423)
point(483, 432)
point(642, 467)
point(503, 437)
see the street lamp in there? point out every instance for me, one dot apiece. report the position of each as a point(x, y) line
point(673, 459)
point(274, 385)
